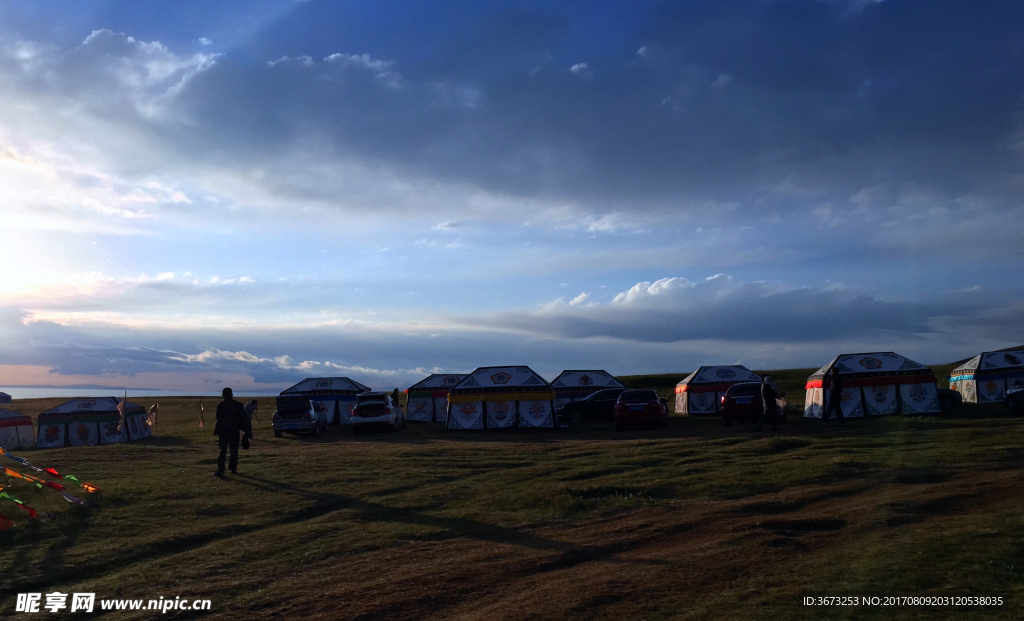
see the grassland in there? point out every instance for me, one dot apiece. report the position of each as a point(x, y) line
point(693, 522)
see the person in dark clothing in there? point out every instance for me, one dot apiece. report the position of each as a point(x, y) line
point(835, 398)
point(769, 396)
point(231, 419)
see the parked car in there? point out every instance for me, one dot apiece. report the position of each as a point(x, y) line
point(640, 407)
point(949, 399)
point(376, 409)
point(1014, 399)
point(742, 403)
point(597, 406)
point(295, 419)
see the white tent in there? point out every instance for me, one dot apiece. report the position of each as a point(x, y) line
point(90, 421)
point(986, 377)
point(4, 397)
point(335, 395)
point(575, 385)
point(501, 397)
point(874, 384)
point(701, 392)
point(15, 431)
point(428, 398)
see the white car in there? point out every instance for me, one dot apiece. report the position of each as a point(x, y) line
point(375, 409)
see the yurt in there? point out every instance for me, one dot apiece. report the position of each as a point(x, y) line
point(701, 392)
point(499, 398)
point(335, 395)
point(575, 385)
point(4, 397)
point(428, 398)
point(15, 431)
point(874, 384)
point(89, 421)
point(986, 377)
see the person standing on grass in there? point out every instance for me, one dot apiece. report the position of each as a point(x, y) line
point(835, 398)
point(769, 395)
point(250, 411)
point(231, 419)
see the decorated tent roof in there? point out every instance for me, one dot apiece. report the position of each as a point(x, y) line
point(439, 381)
point(502, 379)
point(9, 415)
point(325, 385)
point(88, 406)
point(4, 397)
point(585, 380)
point(991, 362)
point(877, 363)
point(730, 374)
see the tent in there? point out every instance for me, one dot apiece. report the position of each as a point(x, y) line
point(15, 431)
point(501, 397)
point(986, 377)
point(575, 385)
point(428, 398)
point(875, 384)
point(90, 421)
point(336, 395)
point(4, 397)
point(701, 392)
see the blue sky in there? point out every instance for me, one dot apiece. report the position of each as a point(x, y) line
point(195, 194)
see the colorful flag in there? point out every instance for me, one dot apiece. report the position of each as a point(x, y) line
point(120, 410)
point(200, 412)
point(89, 487)
point(72, 499)
point(5, 522)
point(7, 496)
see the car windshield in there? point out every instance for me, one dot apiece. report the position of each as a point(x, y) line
point(602, 395)
point(371, 400)
point(744, 390)
point(638, 396)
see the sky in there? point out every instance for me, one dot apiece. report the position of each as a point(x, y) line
point(199, 194)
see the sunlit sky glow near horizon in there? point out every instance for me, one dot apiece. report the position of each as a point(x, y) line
point(197, 193)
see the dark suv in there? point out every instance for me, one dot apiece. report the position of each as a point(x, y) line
point(598, 406)
point(743, 403)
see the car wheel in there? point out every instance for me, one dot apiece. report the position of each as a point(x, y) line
point(574, 417)
point(727, 421)
point(663, 424)
point(619, 426)
point(1012, 407)
point(316, 430)
point(277, 434)
point(355, 429)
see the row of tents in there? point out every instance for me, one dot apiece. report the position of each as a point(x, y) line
point(874, 384)
point(78, 422)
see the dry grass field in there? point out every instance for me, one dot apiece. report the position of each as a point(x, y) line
point(693, 522)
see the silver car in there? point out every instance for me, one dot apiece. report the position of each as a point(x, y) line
point(311, 419)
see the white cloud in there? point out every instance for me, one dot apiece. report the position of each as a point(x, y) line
point(580, 69)
point(362, 61)
point(579, 299)
point(204, 41)
point(722, 80)
point(302, 61)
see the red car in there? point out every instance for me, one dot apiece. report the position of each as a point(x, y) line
point(742, 403)
point(640, 407)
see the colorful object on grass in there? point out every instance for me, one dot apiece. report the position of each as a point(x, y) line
point(73, 500)
point(200, 413)
point(20, 460)
point(89, 487)
point(5, 522)
point(32, 512)
point(153, 411)
point(31, 479)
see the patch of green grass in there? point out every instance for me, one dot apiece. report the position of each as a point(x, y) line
point(693, 522)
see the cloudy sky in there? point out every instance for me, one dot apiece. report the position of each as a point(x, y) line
point(196, 193)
